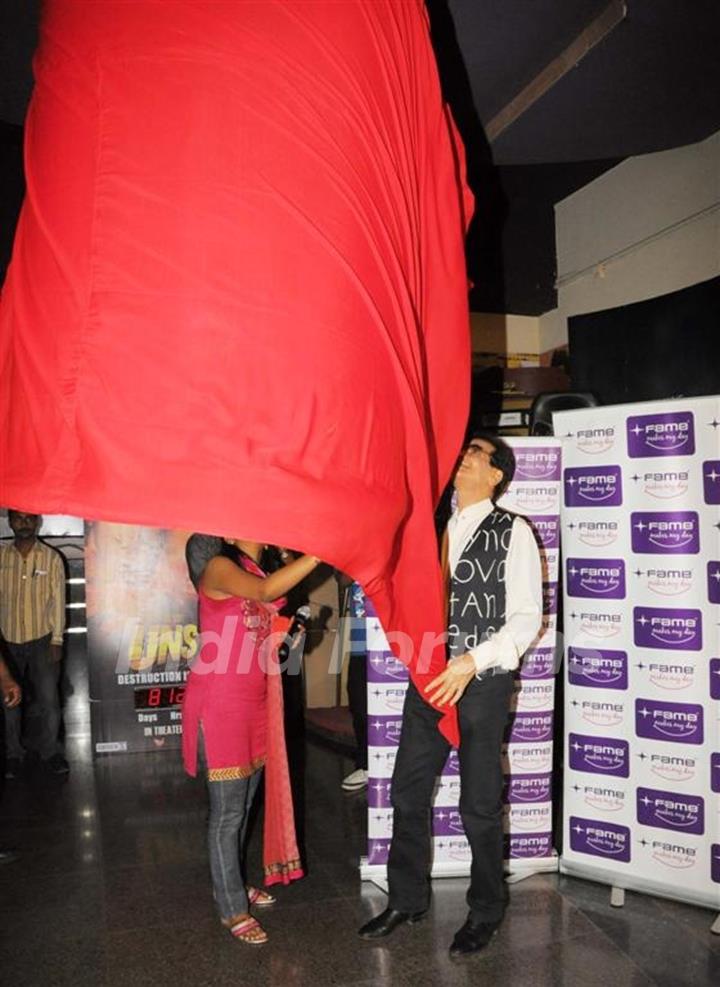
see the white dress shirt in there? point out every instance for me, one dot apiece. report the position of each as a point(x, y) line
point(523, 587)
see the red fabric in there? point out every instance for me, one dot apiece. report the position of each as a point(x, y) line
point(237, 299)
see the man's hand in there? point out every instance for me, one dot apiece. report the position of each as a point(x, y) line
point(449, 686)
point(55, 653)
point(11, 691)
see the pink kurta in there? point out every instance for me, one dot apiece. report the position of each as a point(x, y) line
point(226, 693)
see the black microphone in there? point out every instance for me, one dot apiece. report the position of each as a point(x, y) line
point(298, 626)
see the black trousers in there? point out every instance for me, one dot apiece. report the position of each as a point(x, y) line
point(483, 713)
point(357, 700)
point(36, 724)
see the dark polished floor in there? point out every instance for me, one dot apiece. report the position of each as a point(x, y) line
point(112, 889)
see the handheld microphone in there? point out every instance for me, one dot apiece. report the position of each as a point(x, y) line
point(298, 626)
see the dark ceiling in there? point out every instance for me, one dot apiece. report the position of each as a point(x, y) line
point(651, 84)
point(649, 81)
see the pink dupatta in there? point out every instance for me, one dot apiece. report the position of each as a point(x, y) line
point(281, 858)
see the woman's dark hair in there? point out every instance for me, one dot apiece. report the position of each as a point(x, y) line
point(201, 548)
point(502, 458)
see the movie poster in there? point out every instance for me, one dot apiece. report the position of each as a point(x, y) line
point(142, 634)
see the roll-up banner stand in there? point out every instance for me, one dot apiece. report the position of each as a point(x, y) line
point(641, 549)
point(527, 753)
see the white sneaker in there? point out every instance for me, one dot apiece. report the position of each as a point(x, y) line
point(355, 781)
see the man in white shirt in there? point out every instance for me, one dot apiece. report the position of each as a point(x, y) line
point(494, 614)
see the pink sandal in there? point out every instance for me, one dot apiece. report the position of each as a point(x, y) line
point(248, 930)
point(260, 898)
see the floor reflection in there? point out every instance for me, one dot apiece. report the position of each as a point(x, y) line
point(112, 889)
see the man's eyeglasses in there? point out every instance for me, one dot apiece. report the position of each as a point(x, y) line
point(476, 450)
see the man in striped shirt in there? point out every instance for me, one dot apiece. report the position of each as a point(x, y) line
point(32, 622)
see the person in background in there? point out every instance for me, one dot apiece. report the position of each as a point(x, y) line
point(32, 624)
point(10, 696)
point(357, 689)
point(494, 580)
point(233, 720)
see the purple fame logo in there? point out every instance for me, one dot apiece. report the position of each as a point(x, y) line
point(597, 669)
point(530, 728)
point(384, 731)
point(528, 845)
point(379, 793)
point(447, 822)
point(669, 810)
point(383, 667)
point(680, 723)
point(713, 572)
point(655, 533)
point(378, 851)
point(601, 839)
point(599, 755)
point(592, 578)
point(668, 434)
point(715, 772)
point(676, 630)
point(537, 463)
point(538, 664)
point(715, 678)
point(528, 788)
point(599, 486)
point(711, 481)
point(547, 530)
point(452, 765)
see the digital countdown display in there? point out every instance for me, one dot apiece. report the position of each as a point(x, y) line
point(159, 697)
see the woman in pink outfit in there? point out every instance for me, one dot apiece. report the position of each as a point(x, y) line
point(233, 724)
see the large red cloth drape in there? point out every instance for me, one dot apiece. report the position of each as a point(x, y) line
point(237, 299)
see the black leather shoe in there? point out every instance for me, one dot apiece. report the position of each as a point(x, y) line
point(473, 937)
point(387, 921)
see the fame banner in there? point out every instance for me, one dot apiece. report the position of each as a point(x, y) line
point(142, 633)
point(528, 750)
point(641, 547)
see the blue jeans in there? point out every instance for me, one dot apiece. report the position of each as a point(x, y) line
point(230, 803)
